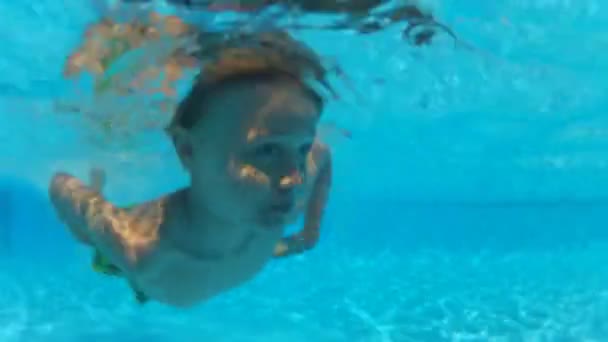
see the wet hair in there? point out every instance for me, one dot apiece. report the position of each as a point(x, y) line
point(193, 106)
point(250, 57)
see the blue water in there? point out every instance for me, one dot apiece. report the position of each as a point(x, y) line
point(469, 206)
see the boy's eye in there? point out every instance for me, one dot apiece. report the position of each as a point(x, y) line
point(267, 150)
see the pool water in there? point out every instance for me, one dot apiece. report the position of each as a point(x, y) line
point(469, 204)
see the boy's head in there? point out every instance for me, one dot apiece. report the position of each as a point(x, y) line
point(245, 130)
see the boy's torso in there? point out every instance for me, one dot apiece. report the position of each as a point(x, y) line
point(168, 272)
point(173, 267)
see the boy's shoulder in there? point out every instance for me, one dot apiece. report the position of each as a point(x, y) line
point(143, 223)
point(136, 231)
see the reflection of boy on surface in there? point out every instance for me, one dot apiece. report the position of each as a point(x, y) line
point(362, 16)
point(106, 42)
point(247, 135)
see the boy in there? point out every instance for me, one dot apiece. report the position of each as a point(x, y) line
point(246, 134)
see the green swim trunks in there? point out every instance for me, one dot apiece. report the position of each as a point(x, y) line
point(102, 265)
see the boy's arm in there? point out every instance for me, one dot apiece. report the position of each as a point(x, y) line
point(307, 238)
point(92, 219)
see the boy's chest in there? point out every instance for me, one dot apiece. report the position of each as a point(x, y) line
point(177, 278)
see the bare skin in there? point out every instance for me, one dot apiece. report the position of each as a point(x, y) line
point(255, 166)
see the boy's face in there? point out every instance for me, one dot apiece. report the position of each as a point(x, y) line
point(250, 153)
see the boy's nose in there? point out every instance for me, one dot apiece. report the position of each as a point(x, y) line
point(291, 181)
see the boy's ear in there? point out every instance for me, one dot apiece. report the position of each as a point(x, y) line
point(183, 145)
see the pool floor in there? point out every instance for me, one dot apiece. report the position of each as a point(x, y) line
point(421, 296)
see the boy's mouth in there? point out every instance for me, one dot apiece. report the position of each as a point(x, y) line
point(281, 213)
point(283, 207)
